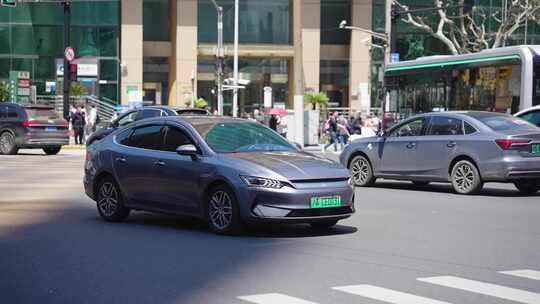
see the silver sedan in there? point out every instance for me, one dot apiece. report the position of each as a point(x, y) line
point(463, 148)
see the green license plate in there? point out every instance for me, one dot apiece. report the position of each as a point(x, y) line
point(535, 149)
point(325, 202)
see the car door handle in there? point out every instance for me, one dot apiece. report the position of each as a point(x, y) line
point(159, 163)
point(451, 144)
point(120, 159)
point(410, 145)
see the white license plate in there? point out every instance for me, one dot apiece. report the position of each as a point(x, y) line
point(50, 129)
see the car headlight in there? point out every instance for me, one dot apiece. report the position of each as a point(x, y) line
point(253, 181)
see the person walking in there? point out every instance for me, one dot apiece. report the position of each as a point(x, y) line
point(273, 122)
point(343, 131)
point(78, 122)
point(331, 127)
point(356, 124)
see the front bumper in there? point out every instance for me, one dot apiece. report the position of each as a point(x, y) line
point(290, 205)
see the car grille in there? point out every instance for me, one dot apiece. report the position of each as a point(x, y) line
point(320, 212)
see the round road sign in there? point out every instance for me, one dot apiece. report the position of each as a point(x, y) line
point(69, 53)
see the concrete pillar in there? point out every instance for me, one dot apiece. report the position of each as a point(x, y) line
point(359, 55)
point(183, 60)
point(306, 40)
point(131, 47)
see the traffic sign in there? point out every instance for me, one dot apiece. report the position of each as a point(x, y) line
point(9, 3)
point(69, 53)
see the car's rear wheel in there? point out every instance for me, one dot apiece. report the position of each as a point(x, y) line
point(465, 178)
point(110, 203)
point(52, 150)
point(7, 144)
point(528, 186)
point(222, 211)
point(361, 172)
point(324, 225)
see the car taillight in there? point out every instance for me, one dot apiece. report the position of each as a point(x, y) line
point(506, 144)
point(64, 123)
point(29, 123)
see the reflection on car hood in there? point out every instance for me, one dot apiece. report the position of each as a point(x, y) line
point(295, 165)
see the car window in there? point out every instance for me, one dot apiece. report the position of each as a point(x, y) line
point(148, 113)
point(12, 112)
point(468, 128)
point(412, 128)
point(440, 125)
point(123, 137)
point(41, 114)
point(506, 122)
point(148, 137)
point(532, 117)
point(174, 138)
point(127, 119)
point(3, 111)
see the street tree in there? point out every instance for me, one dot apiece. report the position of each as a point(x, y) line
point(464, 28)
point(4, 92)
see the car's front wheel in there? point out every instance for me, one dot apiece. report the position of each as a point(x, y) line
point(222, 211)
point(361, 172)
point(527, 186)
point(52, 150)
point(7, 144)
point(465, 178)
point(110, 203)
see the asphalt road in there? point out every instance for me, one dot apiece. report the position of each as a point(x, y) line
point(404, 245)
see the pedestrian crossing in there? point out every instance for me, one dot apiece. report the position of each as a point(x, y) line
point(385, 295)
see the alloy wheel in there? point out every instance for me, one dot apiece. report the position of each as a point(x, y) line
point(108, 199)
point(220, 210)
point(360, 171)
point(464, 177)
point(6, 143)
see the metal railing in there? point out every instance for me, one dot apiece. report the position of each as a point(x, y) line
point(105, 107)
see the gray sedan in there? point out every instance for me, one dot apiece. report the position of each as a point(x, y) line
point(463, 148)
point(227, 171)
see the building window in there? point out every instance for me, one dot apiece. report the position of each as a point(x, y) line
point(156, 20)
point(260, 21)
point(332, 13)
point(334, 80)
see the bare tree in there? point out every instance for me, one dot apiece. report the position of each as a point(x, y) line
point(465, 29)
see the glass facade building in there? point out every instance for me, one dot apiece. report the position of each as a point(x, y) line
point(31, 39)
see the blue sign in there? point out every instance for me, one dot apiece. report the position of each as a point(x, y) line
point(394, 57)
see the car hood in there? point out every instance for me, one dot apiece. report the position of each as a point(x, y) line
point(295, 165)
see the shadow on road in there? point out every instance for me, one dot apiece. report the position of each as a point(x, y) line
point(488, 190)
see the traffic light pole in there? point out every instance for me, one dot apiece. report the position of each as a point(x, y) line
point(67, 43)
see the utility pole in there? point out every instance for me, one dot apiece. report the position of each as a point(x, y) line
point(235, 73)
point(220, 55)
point(67, 43)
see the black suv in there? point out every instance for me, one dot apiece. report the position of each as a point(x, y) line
point(31, 126)
point(128, 117)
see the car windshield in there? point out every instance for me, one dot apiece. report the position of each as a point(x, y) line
point(42, 114)
point(231, 137)
point(504, 123)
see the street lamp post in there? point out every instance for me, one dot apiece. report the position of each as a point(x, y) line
point(235, 73)
point(220, 54)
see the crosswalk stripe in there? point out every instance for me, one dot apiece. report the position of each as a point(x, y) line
point(274, 298)
point(387, 295)
point(524, 273)
point(489, 289)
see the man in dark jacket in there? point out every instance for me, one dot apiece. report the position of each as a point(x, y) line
point(78, 122)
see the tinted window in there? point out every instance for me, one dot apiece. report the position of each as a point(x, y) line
point(503, 123)
point(440, 125)
point(129, 118)
point(148, 113)
point(532, 117)
point(146, 137)
point(227, 137)
point(175, 138)
point(12, 112)
point(41, 114)
point(3, 111)
point(468, 128)
point(413, 128)
point(123, 137)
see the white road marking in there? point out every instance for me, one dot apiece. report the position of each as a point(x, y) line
point(489, 289)
point(524, 273)
point(387, 295)
point(274, 298)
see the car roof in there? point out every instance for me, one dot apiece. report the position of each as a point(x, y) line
point(472, 114)
point(200, 119)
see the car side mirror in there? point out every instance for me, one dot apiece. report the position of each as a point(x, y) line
point(113, 124)
point(187, 150)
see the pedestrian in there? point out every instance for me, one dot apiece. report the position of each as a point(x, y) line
point(343, 131)
point(78, 122)
point(282, 126)
point(356, 124)
point(93, 119)
point(258, 116)
point(331, 129)
point(273, 122)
